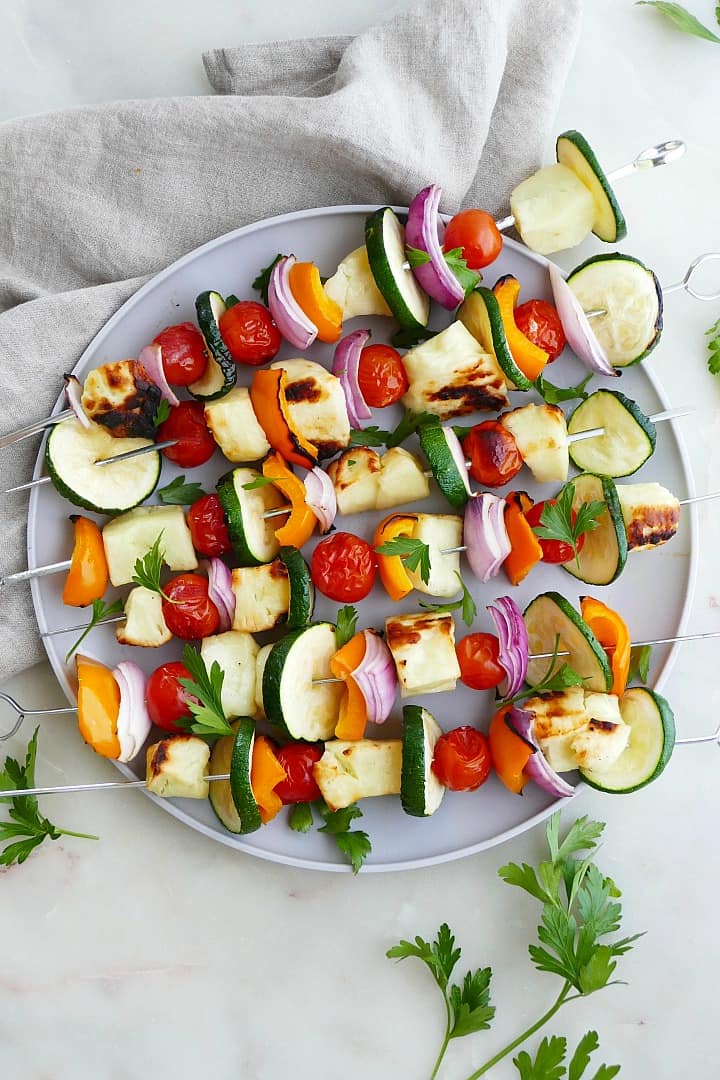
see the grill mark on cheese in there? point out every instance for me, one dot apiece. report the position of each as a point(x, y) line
point(122, 398)
point(652, 526)
point(278, 569)
point(408, 631)
point(306, 390)
point(604, 726)
point(474, 393)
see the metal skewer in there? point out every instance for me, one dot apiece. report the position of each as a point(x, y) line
point(684, 283)
point(34, 429)
point(151, 448)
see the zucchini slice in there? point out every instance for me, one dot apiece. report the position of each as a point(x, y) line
point(302, 591)
point(420, 790)
point(480, 313)
point(71, 452)
point(605, 550)
point(550, 616)
point(442, 450)
point(232, 800)
point(650, 747)
point(629, 438)
point(385, 243)
point(220, 374)
point(631, 295)
point(573, 150)
point(306, 710)
point(252, 536)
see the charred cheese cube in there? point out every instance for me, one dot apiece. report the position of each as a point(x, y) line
point(356, 479)
point(450, 375)
point(651, 514)
point(401, 480)
point(423, 648)
point(361, 769)
point(601, 743)
point(122, 398)
point(316, 404)
point(235, 428)
point(262, 596)
point(177, 767)
point(540, 432)
point(559, 717)
point(144, 621)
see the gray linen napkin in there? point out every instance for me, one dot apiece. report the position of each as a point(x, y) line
point(96, 199)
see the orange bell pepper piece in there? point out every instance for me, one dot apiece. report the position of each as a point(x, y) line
point(508, 752)
point(612, 633)
point(306, 287)
point(392, 572)
point(87, 577)
point(530, 358)
point(299, 526)
point(267, 394)
point(353, 708)
point(98, 706)
point(525, 549)
point(266, 773)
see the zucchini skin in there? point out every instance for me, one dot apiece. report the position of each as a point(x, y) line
point(583, 146)
point(302, 594)
point(612, 500)
point(501, 348)
point(669, 731)
point(272, 677)
point(638, 416)
point(240, 769)
point(77, 500)
point(412, 781)
point(444, 470)
point(574, 617)
point(377, 257)
point(217, 349)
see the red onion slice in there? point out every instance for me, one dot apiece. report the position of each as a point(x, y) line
point(134, 724)
point(220, 591)
point(514, 644)
point(289, 317)
point(150, 359)
point(486, 540)
point(73, 392)
point(376, 678)
point(576, 325)
point(421, 231)
point(522, 723)
point(346, 366)
point(320, 497)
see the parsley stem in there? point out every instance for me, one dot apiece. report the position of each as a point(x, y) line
point(80, 835)
point(446, 1040)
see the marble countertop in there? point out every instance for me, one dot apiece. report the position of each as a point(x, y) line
point(158, 953)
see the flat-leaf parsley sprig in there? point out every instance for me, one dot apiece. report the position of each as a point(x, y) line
point(414, 553)
point(560, 522)
point(206, 705)
point(100, 612)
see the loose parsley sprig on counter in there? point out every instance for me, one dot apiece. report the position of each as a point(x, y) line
point(713, 335)
point(682, 19)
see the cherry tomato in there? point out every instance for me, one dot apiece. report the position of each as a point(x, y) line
point(208, 530)
point(186, 422)
point(382, 376)
point(462, 759)
point(477, 234)
point(184, 354)
point(167, 701)
point(297, 759)
point(188, 610)
point(343, 567)
point(554, 551)
point(540, 322)
point(478, 659)
point(249, 333)
point(494, 456)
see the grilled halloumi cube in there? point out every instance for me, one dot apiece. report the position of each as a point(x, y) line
point(235, 427)
point(177, 767)
point(423, 648)
point(601, 743)
point(122, 398)
point(651, 514)
point(144, 621)
point(316, 404)
point(260, 662)
point(236, 653)
point(365, 480)
point(559, 717)
point(262, 596)
point(130, 536)
point(401, 479)
point(540, 432)
point(450, 375)
point(439, 532)
point(349, 771)
point(353, 287)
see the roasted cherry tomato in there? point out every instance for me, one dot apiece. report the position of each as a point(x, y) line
point(186, 422)
point(478, 659)
point(382, 376)
point(297, 759)
point(343, 567)
point(477, 234)
point(494, 456)
point(208, 530)
point(167, 701)
point(462, 759)
point(249, 333)
point(188, 610)
point(184, 354)
point(540, 322)
point(554, 551)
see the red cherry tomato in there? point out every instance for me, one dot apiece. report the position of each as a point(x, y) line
point(184, 354)
point(477, 234)
point(462, 759)
point(297, 759)
point(343, 567)
point(540, 322)
point(208, 530)
point(554, 551)
point(186, 422)
point(494, 456)
point(382, 376)
point(249, 333)
point(167, 701)
point(188, 610)
point(478, 659)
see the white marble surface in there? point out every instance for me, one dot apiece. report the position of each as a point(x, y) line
point(156, 953)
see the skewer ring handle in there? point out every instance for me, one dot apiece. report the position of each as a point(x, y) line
point(686, 282)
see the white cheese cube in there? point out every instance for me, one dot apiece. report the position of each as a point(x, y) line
point(401, 479)
point(130, 536)
point(450, 375)
point(144, 621)
point(353, 287)
point(423, 648)
point(356, 479)
point(236, 653)
point(262, 596)
point(235, 427)
point(440, 532)
point(177, 767)
point(540, 432)
point(349, 771)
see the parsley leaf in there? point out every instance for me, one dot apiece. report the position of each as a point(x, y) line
point(258, 482)
point(466, 604)
point(714, 348)
point(581, 1058)
point(409, 424)
point(300, 817)
point(461, 432)
point(178, 493)
point(100, 611)
point(440, 956)
point(206, 687)
point(681, 19)
point(548, 1064)
point(468, 278)
point(345, 625)
point(161, 413)
point(261, 282)
point(369, 436)
point(560, 522)
point(408, 337)
point(555, 394)
point(148, 569)
point(231, 301)
point(470, 1004)
point(640, 656)
point(416, 256)
point(414, 553)
point(352, 842)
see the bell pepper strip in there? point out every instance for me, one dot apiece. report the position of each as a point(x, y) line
point(612, 633)
point(392, 572)
point(267, 395)
point(266, 773)
point(98, 706)
point(528, 356)
point(306, 287)
point(509, 752)
point(353, 708)
point(525, 549)
point(87, 577)
point(299, 526)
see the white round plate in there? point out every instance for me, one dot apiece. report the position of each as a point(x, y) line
point(653, 593)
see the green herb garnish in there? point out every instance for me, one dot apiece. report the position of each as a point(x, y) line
point(345, 625)
point(414, 553)
point(262, 281)
point(178, 493)
point(161, 413)
point(352, 842)
point(258, 482)
point(300, 817)
point(682, 19)
point(466, 604)
point(416, 256)
point(640, 656)
point(369, 436)
point(553, 395)
point(408, 338)
point(714, 348)
point(148, 569)
point(560, 522)
point(208, 712)
point(468, 278)
point(100, 611)
point(409, 424)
